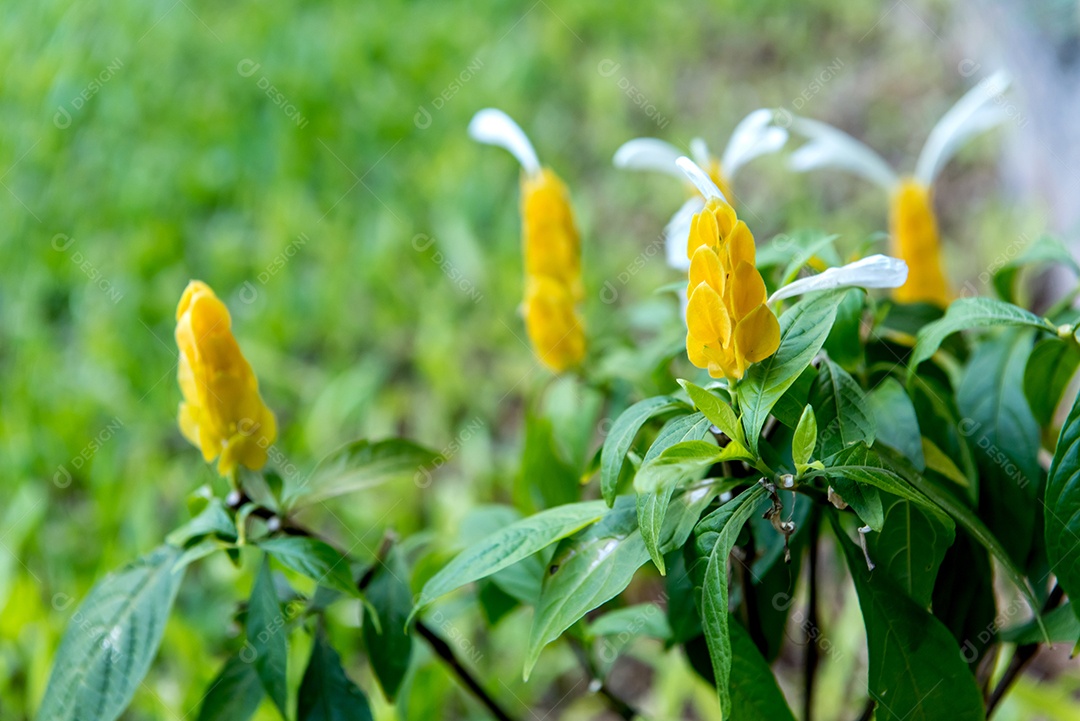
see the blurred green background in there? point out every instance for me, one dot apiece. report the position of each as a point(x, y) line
point(309, 161)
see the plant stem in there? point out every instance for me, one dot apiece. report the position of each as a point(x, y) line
point(810, 659)
point(1021, 657)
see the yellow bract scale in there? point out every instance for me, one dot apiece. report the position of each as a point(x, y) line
point(915, 240)
point(222, 412)
point(728, 322)
point(553, 289)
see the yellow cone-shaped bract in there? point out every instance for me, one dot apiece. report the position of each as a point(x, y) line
point(915, 239)
point(729, 326)
point(222, 412)
point(553, 290)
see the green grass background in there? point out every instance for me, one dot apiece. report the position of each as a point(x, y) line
point(181, 166)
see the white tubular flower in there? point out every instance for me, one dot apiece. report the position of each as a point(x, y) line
point(494, 127)
point(753, 137)
point(875, 271)
point(970, 116)
point(828, 147)
point(705, 185)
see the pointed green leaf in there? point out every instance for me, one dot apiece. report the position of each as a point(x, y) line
point(1062, 507)
point(755, 694)
point(111, 640)
point(621, 437)
point(326, 693)
point(359, 465)
point(313, 558)
point(388, 642)
point(267, 637)
point(896, 421)
point(843, 415)
point(716, 410)
point(692, 427)
point(234, 694)
point(1049, 369)
point(803, 329)
point(910, 548)
point(805, 439)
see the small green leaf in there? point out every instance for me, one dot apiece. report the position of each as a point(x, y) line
point(1049, 369)
point(388, 642)
point(716, 534)
point(326, 693)
point(716, 410)
point(267, 641)
point(1044, 249)
point(359, 465)
point(314, 559)
point(967, 313)
point(916, 671)
point(111, 640)
point(805, 440)
point(508, 546)
point(213, 519)
point(234, 694)
point(621, 437)
point(803, 329)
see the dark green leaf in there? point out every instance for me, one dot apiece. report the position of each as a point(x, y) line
point(788, 410)
point(621, 438)
point(1004, 437)
point(843, 416)
point(754, 691)
point(916, 672)
point(388, 642)
point(326, 693)
point(910, 548)
point(234, 694)
point(803, 329)
point(1062, 624)
point(314, 559)
point(509, 545)
point(267, 637)
point(111, 640)
point(1062, 506)
point(844, 344)
point(1051, 366)
point(863, 498)
point(897, 424)
point(968, 313)
point(964, 598)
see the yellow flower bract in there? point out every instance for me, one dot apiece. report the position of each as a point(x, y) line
point(553, 290)
point(222, 412)
point(729, 325)
point(915, 239)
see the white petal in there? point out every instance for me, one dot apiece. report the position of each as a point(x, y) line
point(699, 151)
point(832, 148)
point(649, 154)
point(700, 179)
point(755, 135)
point(677, 232)
point(970, 116)
point(495, 127)
point(876, 271)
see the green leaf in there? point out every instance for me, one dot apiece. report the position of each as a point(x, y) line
point(1049, 369)
point(1045, 249)
point(938, 461)
point(621, 438)
point(213, 519)
point(508, 546)
point(1004, 437)
point(548, 478)
point(1062, 506)
point(716, 534)
point(964, 598)
point(326, 693)
point(788, 410)
point(896, 421)
point(803, 329)
point(804, 440)
point(386, 638)
point(916, 672)
point(313, 558)
point(598, 564)
point(967, 313)
point(862, 465)
point(910, 548)
point(363, 464)
point(111, 640)
point(234, 694)
point(716, 410)
point(844, 344)
point(692, 427)
point(864, 499)
point(267, 642)
point(522, 579)
point(967, 520)
point(843, 416)
point(755, 693)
